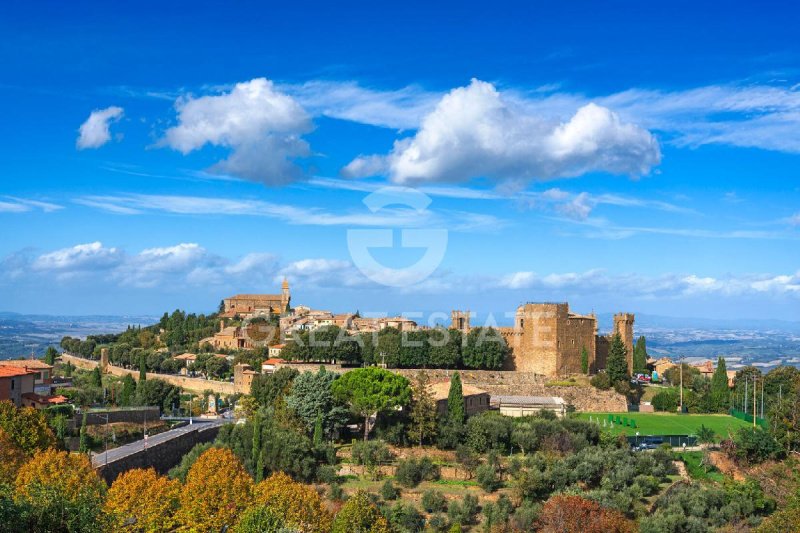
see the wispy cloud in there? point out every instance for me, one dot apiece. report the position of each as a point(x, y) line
point(135, 204)
point(11, 204)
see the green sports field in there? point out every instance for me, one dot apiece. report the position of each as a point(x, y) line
point(669, 423)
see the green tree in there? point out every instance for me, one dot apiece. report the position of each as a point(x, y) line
point(705, 435)
point(455, 400)
point(257, 456)
point(584, 360)
point(83, 445)
point(127, 394)
point(311, 397)
point(157, 392)
point(318, 431)
point(95, 378)
point(371, 391)
point(142, 368)
point(268, 388)
point(640, 355)
point(50, 356)
point(423, 410)
point(485, 348)
point(720, 393)
point(445, 350)
point(617, 366)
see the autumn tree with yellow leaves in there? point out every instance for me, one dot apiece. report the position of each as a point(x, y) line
point(298, 504)
point(360, 515)
point(139, 494)
point(217, 491)
point(26, 427)
point(11, 458)
point(64, 490)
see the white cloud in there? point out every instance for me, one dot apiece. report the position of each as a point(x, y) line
point(760, 116)
point(399, 109)
point(793, 220)
point(599, 282)
point(90, 257)
point(261, 125)
point(475, 132)
point(134, 204)
point(96, 131)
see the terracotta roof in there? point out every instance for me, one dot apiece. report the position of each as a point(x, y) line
point(186, 357)
point(38, 398)
point(441, 390)
point(273, 361)
point(278, 346)
point(30, 363)
point(12, 372)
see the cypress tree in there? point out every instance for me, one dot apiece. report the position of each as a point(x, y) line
point(256, 454)
point(455, 400)
point(719, 387)
point(50, 356)
point(83, 443)
point(584, 360)
point(617, 366)
point(640, 355)
point(142, 368)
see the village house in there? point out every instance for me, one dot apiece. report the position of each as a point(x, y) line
point(270, 365)
point(475, 400)
point(44, 372)
point(16, 382)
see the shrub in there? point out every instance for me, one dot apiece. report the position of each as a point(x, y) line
point(487, 477)
point(434, 501)
point(752, 446)
point(336, 493)
point(410, 472)
point(405, 517)
point(666, 400)
point(601, 381)
point(463, 513)
point(489, 431)
point(371, 454)
point(389, 491)
point(359, 515)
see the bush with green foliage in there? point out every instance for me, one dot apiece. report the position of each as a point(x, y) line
point(601, 381)
point(665, 400)
point(463, 513)
point(404, 517)
point(411, 472)
point(389, 491)
point(752, 446)
point(433, 501)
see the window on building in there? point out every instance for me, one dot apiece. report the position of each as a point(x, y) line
point(12, 384)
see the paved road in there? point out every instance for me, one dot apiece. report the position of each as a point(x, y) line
point(99, 459)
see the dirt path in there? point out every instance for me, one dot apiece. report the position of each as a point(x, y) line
point(726, 466)
point(681, 470)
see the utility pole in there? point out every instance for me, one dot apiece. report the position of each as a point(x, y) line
point(681, 361)
point(744, 400)
point(762, 397)
point(755, 413)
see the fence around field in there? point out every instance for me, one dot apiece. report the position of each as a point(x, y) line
point(747, 417)
point(673, 440)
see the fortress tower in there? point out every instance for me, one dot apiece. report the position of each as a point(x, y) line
point(623, 324)
point(285, 296)
point(459, 320)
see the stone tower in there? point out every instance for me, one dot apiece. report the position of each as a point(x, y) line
point(623, 324)
point(460, 320)
point(285, 296)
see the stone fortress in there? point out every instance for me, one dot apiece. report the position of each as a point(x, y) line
point(548, 339)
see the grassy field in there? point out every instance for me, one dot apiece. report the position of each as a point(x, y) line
point(670, 423)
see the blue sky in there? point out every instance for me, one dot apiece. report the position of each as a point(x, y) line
point(640, 157)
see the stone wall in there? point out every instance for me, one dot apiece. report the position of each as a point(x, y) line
point(503, 382)
point(185, 382)
point(162, 456)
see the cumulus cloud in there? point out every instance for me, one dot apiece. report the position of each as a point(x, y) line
point(96, 131)
point(665, 286)
point(81, 258)
point(261, 125)
point(474, 132)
